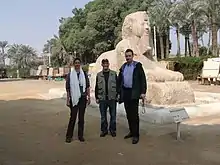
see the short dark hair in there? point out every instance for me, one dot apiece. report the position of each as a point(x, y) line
point(77, 59)
point(105, 61)
point(129, 50)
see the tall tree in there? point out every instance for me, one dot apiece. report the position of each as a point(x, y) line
point(3, 55)
point(56, 49)
point(190, 15)
point(175, 21)
point(159, 17)
point(21, 56)
point(210, 8)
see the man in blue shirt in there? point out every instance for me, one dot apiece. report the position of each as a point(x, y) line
point(132, 87)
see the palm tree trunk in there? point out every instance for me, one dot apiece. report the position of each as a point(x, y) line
point(195, 40)
point(189, 47)
point(202, 40)
point(186, 42)
point(161, 47)
point(168, 43)
point(178, 42)
point(209, 41)
point(214, 36)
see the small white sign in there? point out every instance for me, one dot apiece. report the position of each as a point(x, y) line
point(179, 115)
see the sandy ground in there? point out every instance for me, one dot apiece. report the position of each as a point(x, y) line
point(32, 132)
point(204, 88)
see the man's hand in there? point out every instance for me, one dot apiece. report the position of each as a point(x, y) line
point(68, 102)
point(97, 101)
point(88, 100)
point(118, 98)
point(143, 96)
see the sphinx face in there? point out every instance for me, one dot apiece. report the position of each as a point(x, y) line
point(135, 34)
point(142, 31)
point(144, 25)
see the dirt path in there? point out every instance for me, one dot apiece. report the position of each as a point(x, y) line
point(32, 132)
point(204, 88)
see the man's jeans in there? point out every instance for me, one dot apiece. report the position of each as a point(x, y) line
point(103, 106)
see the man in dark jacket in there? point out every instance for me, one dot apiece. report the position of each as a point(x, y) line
point(106, 96)
point(132, 86)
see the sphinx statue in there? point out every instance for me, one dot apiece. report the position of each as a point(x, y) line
point(165, 87)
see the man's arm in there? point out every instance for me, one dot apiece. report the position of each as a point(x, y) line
point(117, 85)
point(119, 82)
point(68, 87)
point(143, 81)
point(96, 88)
point(87, 85)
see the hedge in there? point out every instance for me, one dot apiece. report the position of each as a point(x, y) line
point(190, 67)
point(23, 72)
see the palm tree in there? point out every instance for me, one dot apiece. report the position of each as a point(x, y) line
point(211, 10)
point(3, 55)
point(190, 16)
point(57, 50)
point(175, 21)
point(28, 54)
point(21, 55)
point(13, 55)
point(159, 17)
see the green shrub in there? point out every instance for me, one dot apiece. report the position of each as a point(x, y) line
point(190, 67)
point(23, 72)
point(11, 72)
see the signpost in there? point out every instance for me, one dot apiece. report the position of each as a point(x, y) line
point(179, 115)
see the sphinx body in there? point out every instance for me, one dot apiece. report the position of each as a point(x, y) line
point(164, 86)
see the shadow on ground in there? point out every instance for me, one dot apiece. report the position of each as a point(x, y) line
point(33, 132)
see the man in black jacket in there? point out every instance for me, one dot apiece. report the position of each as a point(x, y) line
point(132, 86)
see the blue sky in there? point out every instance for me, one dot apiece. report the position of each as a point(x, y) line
point(34, 21)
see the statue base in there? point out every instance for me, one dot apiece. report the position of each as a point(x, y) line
point(170, 93)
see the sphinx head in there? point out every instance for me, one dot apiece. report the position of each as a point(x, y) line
point(136, 25)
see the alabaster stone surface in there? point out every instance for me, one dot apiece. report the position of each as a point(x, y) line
point(169, 93)
point(161, 82)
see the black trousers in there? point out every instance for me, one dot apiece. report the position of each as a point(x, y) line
point(131, 108)
point(80, 110)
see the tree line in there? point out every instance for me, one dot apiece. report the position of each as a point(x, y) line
point(96, 28)
point(20, 56)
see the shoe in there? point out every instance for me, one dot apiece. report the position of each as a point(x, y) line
point(113, 133)
point(68, 140)
point(103, 134)
point(128, 136)
point(81, 139)
point(135, 140)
